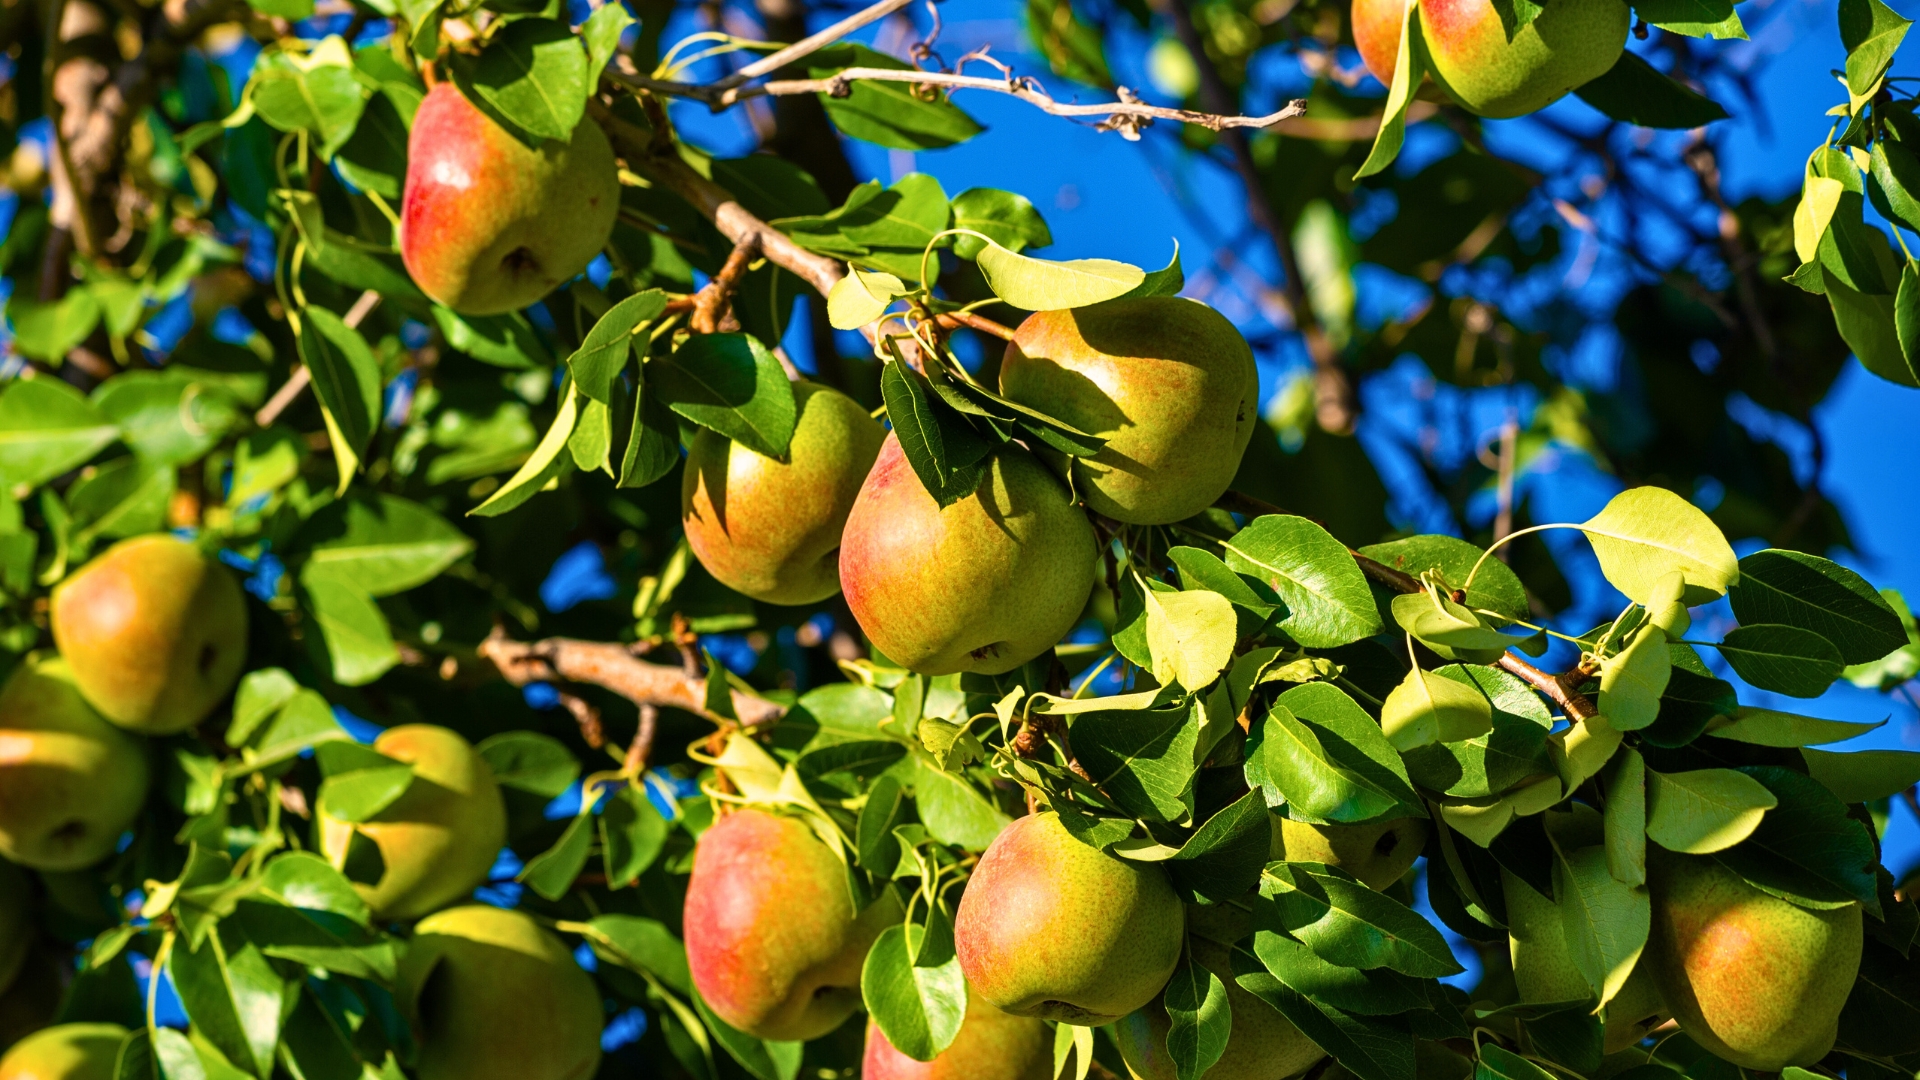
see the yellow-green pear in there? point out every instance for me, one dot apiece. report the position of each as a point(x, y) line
point(16, 922)
point(65, 1052)
point(493, 996)
point(1750, 977)
point(1168, 382)
point(1053, 928)
point(70, 783)
point(439, 838)
point(1545, 973)
point(156, 632)
point(992, 1045)
point(771, 528)
point(774, 943)
point(1263, 1044)
point(1378, 853)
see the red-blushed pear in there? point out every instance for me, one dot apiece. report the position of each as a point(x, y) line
point(1168, 382)
point(1568, 44)
point(1752, 978)
point(773, 941)
point(65, 1052)
point(1379, 854)
point(769, 528)
point(16, 922)
point(493, 996)
point(438, 839)
point(489, 224)
point(1053, 928)
point(1263, 1045)
point(985, 584)
point(992, 1045)
point(70, 783)
point(155, 632)
point(1544, 971)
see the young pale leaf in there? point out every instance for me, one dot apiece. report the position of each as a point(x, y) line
point(1039, 285)
point(1765, 727)
point(1072, 1040)
point(1326, 594)
point(1871, 32)
point(1632, 680)
point(1585, 748)
point(860, 297)
point(1435, 620)
point(918, 1008)
point(545, 465)
point(733, 385)
point(1625, 821)
point(1645, 533)
point(1428, 708)
point(1634, 92)
point(1812, 593)
point(1191, 634)
point(601, 33)
point(1665, 607)
point(1605, 920)
point(1704, 811)
point(1784, 659)
point(1409, 71)
point(1864, 775)
point(1808, 850)
point(1199, 1021)
point(362, 793)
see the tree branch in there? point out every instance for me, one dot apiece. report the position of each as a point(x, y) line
point(611, 666)
point(811, 44)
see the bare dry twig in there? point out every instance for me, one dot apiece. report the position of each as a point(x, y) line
point(609, 665)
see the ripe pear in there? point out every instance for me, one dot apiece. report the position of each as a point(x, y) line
point(1478, 67)
point(992, 1045)
point(17, 931)
point(1263, 1045)
point(983, 585)
point(1545, 973)
point(1750, 977)
point(773, 941)
point(439, 838)
point(65, 1052)
point(492, 996)
point(155, 631)
point(1379, 853)
point(70, 783)
point(769, 528)
point(1053, 928)
point(1168, 382)
point(489, 224)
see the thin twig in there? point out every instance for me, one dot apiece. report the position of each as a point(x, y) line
point(298, 379)
point(611, 666)
point(812, 43)
point(588, 718)
point(714, 302)
point(953, 319)
point(641, 748)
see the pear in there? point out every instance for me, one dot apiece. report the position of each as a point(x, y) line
point(489, 224)
point(992, 1045)
point(492, 996)
point(1168, 382)
point(17, 931)
point(1478, 67)
point(1379, 853)
point(1545, 973)
point(439, 838)
point(1263, 1045)
point(33, 1001)
point(769, 528)
point(65, 1052)
point(1053, 928)
point(1750, 977)
point(773, 941)
point(983, 585)
point(70, 783)
point(155, 631)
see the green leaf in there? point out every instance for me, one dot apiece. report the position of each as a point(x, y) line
point(303, 721)
point(532, 75)
point(1498, 1063)
point(305, 880)
point(642, 944)
point(1377, 992)
point(591, 444)
point(544, 466)
point(531, 762)
point(1605, 920)
point(1409, 71)
point(1433, 619)
point(1191, 634)
point(1871, 32)
point(358, 642)
point(1515, 749)
point(1002, 216)
point(1645, 533)
point(918, 1008)
point(1199, 1021)
point(1906, 326)
point(731, 384)
point(1812, 593)
point(316, 93)
point(1808, 849)
point(1694, 18)
point(375, 157)
point(233, 996)
point(346, 378)
point(1143, 758)
point(168, 417)
point(1352, 738)
point(380, 544)
point(1867, 324)
point(601, 34)
point(1624, 817)
point(552, 872)
point(1315, 787)
point(1864, 775)
point(1632, 680)
point(762, 1059)
point(1349, 924)
point(888, 114)
point(602, 355)
point(47, 428)
point(653, 446)
point(1893, 178)
point(1704, 811)
point(506, 341)
point(49, 330)
point(1765, 727)
point(1784, 659)
point(1040, 285)
point(1428, 708)
point(945, 451)
point(860, 297)
point(1223, 858)
point(362, 793)
point(953, 810)
point(1371, 1048)
point(1326, 595)
point(632, 834)
point(125, 497)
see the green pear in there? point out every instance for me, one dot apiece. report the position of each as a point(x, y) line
point(489, 224)
point(992, 1045)
point(1053, 928)
point(70, 783)
point(1379, 853)
point(1545, 973)
point(17, 931)
point(774, 943)
point(1750, 977)
point(65, 1052)
point(155, 631)
point(1571, 43)
point(983, 585)
point(439, 838)
point(1263, 1045)
point(770, 528)
point(492, 996)
point(1168, 382)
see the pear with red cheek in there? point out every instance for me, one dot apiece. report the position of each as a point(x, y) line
point(771, 529)
point(489, 224)
point(1568, 44)
point(774, 943)
point(992, 1045)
